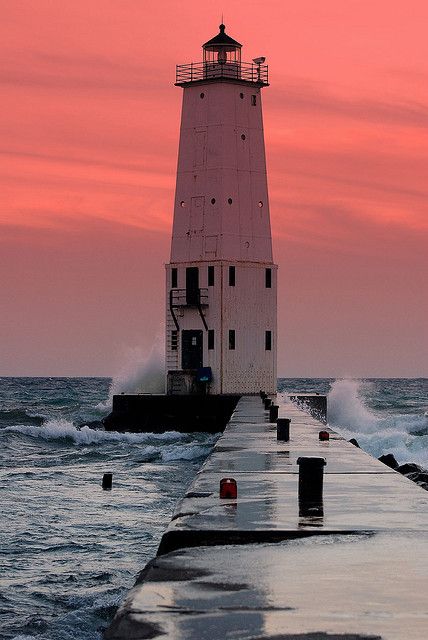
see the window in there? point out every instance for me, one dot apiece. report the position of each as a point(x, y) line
point(268, 278)
point(253, 100)
point(268, 340)
point(212, 200)
point(243, 136)
point(174, 340)
point(210, 276)
point(231, 276)
point(230, 200)
point(210, 339)
point(202, 95)
point(232, 339)
point(192, 286)
point(241, 95)
point(260, 204)
point(174, 278)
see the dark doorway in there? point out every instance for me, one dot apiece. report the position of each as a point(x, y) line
point(192, 349)
point(192, 286)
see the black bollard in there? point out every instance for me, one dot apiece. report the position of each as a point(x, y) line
point(107, 481)
point(311, 469)
point(283, 429)
point(267, 403)
point(273, 412)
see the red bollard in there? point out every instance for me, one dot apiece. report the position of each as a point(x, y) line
point(228, 488)
point(324, 435)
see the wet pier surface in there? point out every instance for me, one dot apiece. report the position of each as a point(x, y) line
point(256, 568)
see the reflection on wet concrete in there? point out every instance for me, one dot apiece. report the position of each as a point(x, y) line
point(324, 578)
point(358, 586)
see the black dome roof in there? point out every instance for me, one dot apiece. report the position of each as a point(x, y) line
point(222, 39)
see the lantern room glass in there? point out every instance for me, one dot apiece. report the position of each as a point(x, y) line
point(222, 54)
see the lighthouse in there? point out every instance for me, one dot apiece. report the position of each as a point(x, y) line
point(221, 327)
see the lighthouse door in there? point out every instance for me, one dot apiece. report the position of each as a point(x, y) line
point(192, 349)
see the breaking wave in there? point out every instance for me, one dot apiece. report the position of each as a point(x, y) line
point(167, 446)
point(404, 435)
point(64, 430)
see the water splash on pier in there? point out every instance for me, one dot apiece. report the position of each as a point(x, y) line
point(379, 425)
point(141, 372)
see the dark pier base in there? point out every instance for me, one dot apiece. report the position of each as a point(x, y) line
point(159, 413)
point(313, 403)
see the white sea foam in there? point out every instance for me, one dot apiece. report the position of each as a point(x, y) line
point(141, 373)
point(190, 452)
point(64, 430)
point(394, 433)
point(168, 446)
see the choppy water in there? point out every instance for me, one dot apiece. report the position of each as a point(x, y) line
point(69, 550)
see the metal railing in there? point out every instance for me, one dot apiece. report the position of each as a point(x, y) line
point(197, 71)
point(181, 298)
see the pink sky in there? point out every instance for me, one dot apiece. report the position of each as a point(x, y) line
point(89, 135)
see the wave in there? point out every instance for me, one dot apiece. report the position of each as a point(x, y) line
point(404, 435)
point(191, 452)
point(61, 429)
point(167, 447)
point(141, 373)
point(18, 416)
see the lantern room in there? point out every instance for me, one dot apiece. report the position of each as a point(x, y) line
point(222, 49)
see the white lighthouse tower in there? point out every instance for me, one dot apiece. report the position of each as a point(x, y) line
point(221, 281)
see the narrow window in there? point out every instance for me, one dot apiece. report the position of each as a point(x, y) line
point(232, 339)
point(253, 100)
point(241, 95)
point(231, 276)
point(174, 340)
point(210, 339)
point(174, 278)
point(192, 286)
point(268, 340)
point(210, 276)
point(268, 278)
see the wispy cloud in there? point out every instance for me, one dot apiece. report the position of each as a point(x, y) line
point(311, 97)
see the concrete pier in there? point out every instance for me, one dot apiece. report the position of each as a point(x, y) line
point(357, 571)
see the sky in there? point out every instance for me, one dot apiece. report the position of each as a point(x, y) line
point(88, 149)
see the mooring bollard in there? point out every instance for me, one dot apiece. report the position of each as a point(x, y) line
point(273, 412)
point(267, 403)
point(283, 429)
point(107, 481)
point(228, 488)
point(311, 470)
point(324, 435)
